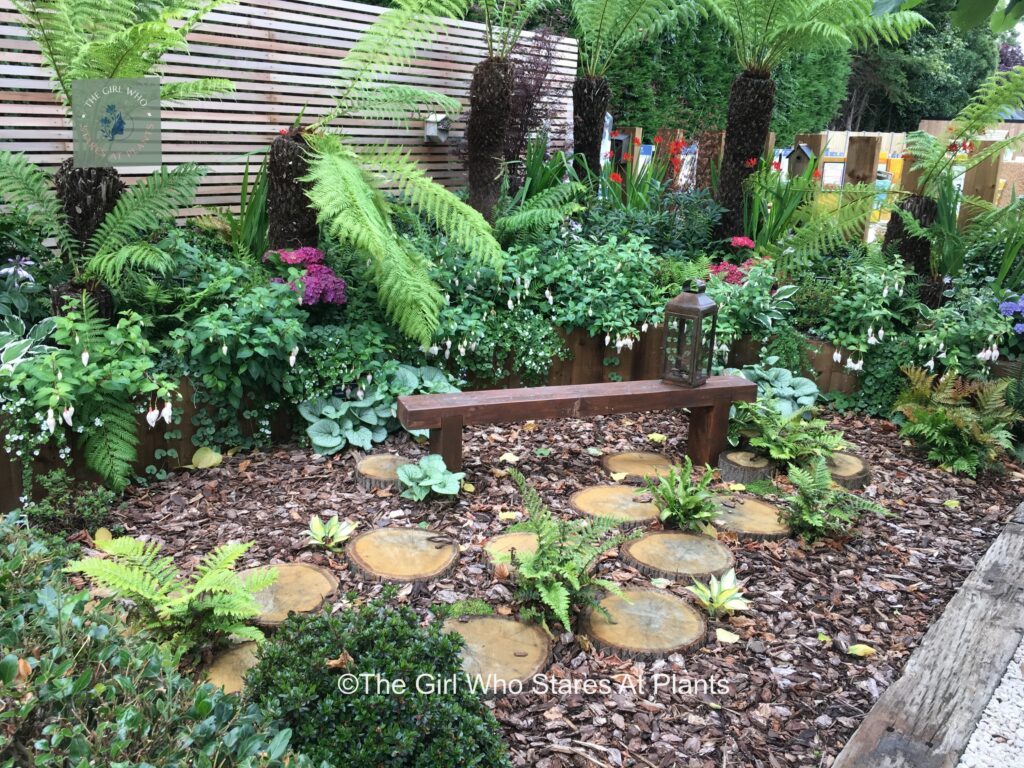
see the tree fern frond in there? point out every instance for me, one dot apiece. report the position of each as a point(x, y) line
point(112, 267)
point(111, 449)
point(194, 90)
point(396, 102)
point(29, 190)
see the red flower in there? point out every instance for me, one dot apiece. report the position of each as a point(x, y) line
point(777, 165)
point(615, 134)
point(741, 242)
point(677, 162)
point(751, 162)
point(657, 139)
point(627, 157)
point(615, 177)
point(636, 141)
point(283, 131)
point(817, 173)
point(609, 155)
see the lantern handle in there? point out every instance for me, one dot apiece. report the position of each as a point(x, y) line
point(698, 286)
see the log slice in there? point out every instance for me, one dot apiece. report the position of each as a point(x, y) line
point(750, 518)
point(402, 554)
point(300, 588)
point(645, 624)
point(677, 555)
point(619, 502)
point(849, 471)
point(230, 666)
point(637, 465)
point(380, 471)
point(744, 467)
point(500, 651)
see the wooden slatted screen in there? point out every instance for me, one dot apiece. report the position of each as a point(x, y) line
point(282, 56)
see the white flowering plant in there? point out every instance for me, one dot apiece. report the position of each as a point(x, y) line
point(754, 308)
point(966, 334)
point(93, 381)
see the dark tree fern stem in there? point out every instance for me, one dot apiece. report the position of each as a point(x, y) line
point(490, 102)
point(590, 97)
point(916, 252)
point(751, 102)
point(291, 220)
point(87, 195)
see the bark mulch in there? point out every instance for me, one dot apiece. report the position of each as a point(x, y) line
point(786, 693)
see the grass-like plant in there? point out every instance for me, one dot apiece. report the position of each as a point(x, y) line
point(184, 613)
point(688, 504)
point(820, 507)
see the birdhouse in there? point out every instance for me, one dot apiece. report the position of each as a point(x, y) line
point(800, 158)
point(691, 319)
point(435, 129)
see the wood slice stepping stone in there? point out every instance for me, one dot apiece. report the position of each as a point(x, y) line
point(505, 543)
point(849, 471)
point(380, 471)
point(645, 624)
point(619, 502)
point(637, 465)
point(403, 554)
point(677, 555)
point(750, 518)
point(500, 651)
point(300, 588)
point(229, 667)
point(744, 467)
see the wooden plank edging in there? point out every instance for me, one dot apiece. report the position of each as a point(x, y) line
point(926, 717)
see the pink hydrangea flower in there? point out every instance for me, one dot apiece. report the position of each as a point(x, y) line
point(741, 242)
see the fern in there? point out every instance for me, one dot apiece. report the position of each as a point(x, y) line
point(558, 576)
point(29, 190)
point(528, 214)
point(963, 425)
point(110, 444)
point(185, 613)
point(820, 507)
point(798, 438)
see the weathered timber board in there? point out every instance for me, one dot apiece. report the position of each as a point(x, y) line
point(925, 719)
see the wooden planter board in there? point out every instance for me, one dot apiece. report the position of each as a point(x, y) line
point(750, 518)
point(380, 471)
point(645, 624)
point(637, 465)
point(500, 651)
point(925, 719)
point(505, 543)
point(849, 471)
point(300, 588)
point(230, 666)
point(677, 555)
point(619, 502)
point(402, 554)
point(744, 467)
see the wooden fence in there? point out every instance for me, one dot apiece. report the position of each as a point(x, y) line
point(282, 55)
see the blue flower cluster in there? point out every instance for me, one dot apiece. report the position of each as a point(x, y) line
point(1012, 308)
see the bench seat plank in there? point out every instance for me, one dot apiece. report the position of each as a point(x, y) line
point(573, 401)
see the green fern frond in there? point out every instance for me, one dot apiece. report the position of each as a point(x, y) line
point(195, 90)
point(114, 267)
point(29, 190)
point(110, 450)
point(396, 102)
point(543, 211)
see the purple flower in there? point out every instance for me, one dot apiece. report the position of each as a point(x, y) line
point(1019, 328)
point(322, 286)
point(300, 256)
point(1009, 308)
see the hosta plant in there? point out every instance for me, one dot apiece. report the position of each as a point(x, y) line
point(820, 507)
point(331, 533)
point(786, 392)
point(720, 596)
point(558, 577)
point(183, 612)
point(429, 475)
point(963, 425)
point(335, 423)
point(687, 503)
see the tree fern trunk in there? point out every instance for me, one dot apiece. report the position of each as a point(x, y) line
point(590, 97)
point(916, 251)
point(751, 101)
point(87, 195)
point(291, 220)
point(490, 101)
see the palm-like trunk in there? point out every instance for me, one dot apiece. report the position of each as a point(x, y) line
point(751, 102)
point(916, 251)
point(590, 97)
point(291, 220)
point(490, 102)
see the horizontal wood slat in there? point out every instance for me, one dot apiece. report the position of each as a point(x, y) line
point(283, 56)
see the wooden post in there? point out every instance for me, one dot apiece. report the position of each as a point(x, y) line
point(911, 180)
point(709, 433)
point(862, 160)
point(981, 181)
point(446, 441)
point(816, 141)
point(710, 146)
point(632, 136)
point(769, 148)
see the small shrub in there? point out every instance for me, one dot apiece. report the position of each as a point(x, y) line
point(795, 439)
point(429, 475)
point(184, 614)
point(558, 576)
point(786, 392)
point(720, 596)
point(820, 507)
point(67, 506)
point(688, 504)
point(963, 425)
point(298, 679)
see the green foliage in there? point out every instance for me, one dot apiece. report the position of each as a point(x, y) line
point(471, 607)
point(69, 507)
point(764, 34)
point(720, 596)
point(689, 505)
point(429, 475)
point(797, 438)
point(527, 214)
point(297, 680)
point(94, 380)
point(752, 308)
point(820, 507)
point(558, 576)
point(246, 231)
point(963, 425)
point(330, 534)
point(101, 694)
point(959, 331)
point(785, 392)
point(211, 604)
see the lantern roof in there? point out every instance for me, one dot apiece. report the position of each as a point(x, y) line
point(692, 301)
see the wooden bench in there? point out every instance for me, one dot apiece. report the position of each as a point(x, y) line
point(445, 415)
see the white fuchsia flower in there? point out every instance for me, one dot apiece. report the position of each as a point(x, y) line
point(51, 421)
point(930, 365)
point(607, 339)
point(549, 296)
point(644, 327)
point(511, 305)
point(985, 355)
point(433, 350)
point(885, 292)
point(152, 417)
point(68, 413)
point(881, 334)
point(85, 357)
point(293, 357)
point(223, 349)
point(167, 412)
point(837, 356)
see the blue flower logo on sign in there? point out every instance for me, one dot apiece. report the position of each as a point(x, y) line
point(112, 123)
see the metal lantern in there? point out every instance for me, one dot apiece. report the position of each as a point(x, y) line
point(690, 321)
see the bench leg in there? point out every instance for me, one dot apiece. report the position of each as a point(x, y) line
point(447, 441)
point(709, 432)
